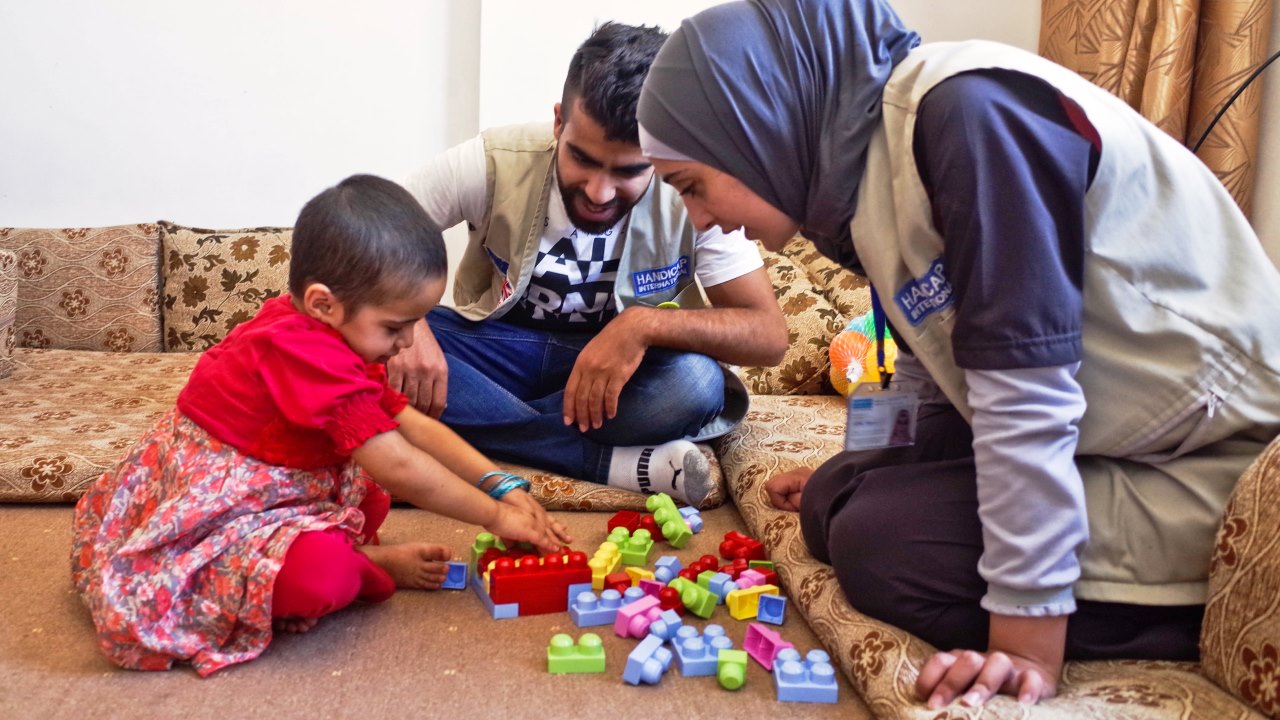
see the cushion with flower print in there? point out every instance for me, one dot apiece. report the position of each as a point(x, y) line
point(217, 279)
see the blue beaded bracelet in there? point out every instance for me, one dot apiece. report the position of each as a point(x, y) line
point(491, 473)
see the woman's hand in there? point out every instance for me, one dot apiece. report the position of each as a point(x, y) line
point(784, 488)
point(1024, 659)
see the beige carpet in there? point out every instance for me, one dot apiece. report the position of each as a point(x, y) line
point(419, 655)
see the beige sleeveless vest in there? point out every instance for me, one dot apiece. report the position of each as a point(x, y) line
point(1181, 332)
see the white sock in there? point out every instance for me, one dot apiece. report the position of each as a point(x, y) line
point(677, 468)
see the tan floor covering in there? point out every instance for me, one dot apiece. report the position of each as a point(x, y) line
point(419, 655)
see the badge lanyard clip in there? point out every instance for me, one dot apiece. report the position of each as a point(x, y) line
point(877, 315)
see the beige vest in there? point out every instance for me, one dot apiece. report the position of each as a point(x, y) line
point(1181, 332)
point(657, 263)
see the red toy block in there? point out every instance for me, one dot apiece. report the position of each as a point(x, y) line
point(735, 568)
point(669, 599)
point(736, 545)
point(697, 567)
point(629, 519)
point(619, 581)
point(648, 523)
point(538, 585)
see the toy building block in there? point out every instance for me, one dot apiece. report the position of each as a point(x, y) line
point(605, 562)
point(667, 624)
point(666, 567)
point(629, 519)
point(633, 619)
point(697, 600)
point(693, 518)
point(635, 549)
point(639, 575)
point(619, 581)
point(813, 680)
point(484, 541)
point(731, 668)
point(772, 609)
point(750, 578)
point(537, 585)
point(697, 567)
point(587, 610)
point(584, 656)
point(671, 523)
point(650, 586)
point(455, 577)
point(717, 582)
point(744, 603)
point(497, 612)
point(647, 662)
point(697, 654)
point(669, 599)
point(648, 523)
point(760, 564)
point(736, 545)
point(763, 644)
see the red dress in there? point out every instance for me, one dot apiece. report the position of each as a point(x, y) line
point(176, 549)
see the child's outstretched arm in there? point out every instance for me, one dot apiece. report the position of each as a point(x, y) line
point(415, 476)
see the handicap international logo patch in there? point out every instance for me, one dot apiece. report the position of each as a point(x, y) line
point(921, 297)
point(652, 280)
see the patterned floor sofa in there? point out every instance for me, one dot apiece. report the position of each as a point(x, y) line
point(99, 328)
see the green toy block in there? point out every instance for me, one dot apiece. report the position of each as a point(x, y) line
point(731, 668)
point(697, 600)
point(636, 549)
point(483, 541)
point(669, 520)
point(584, 656)
point(766, 564)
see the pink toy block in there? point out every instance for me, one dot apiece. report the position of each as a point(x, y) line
point(763, 644)
point(633, 620)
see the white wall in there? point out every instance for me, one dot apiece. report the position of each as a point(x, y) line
point(1266, 193)
point(221, 114)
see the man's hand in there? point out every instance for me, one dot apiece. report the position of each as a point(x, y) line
point(603, 368)
point(1024, 658)
point(421, 373)
point(784, 489)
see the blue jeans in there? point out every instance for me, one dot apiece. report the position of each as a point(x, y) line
point(506, 396)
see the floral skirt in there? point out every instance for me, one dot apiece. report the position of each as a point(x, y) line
point(176, 549)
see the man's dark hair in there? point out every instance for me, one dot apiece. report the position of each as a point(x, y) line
point(368, 240)
point(607, 71)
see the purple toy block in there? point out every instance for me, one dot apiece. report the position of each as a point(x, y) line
point(587, 610)
point(772, 609)
point(763, 644)
point(813, 680)
point(750, 578)
point(651, 587)
point(647, 662)
point(696, 654)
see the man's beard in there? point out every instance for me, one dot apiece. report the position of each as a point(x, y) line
point(571, 196)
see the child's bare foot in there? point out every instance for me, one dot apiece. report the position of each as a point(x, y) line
point(294, 625)
point(411, 565)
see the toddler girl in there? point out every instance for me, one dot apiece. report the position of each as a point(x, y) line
point(257, 499)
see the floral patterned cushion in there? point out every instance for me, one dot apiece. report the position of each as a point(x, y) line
point(68, 415)
point(1240, 641)
point(8, 309)
point(87, 288)
point(217, 279)
point(882, 661)
point(811, 323)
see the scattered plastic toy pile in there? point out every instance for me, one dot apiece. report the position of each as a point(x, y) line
point(616, 587)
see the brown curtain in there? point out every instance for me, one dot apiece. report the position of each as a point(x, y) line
point(1176, 62)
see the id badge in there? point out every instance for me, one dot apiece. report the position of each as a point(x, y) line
point(880, 418)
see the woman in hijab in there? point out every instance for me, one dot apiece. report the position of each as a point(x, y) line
point(1080, 307)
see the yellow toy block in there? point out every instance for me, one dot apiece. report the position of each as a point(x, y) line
point(604, 562)
point(637, 574)
point(744, 603)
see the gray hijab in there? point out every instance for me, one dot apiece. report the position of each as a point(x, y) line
point(782, 95)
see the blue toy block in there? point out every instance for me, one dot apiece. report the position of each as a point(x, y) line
point(813, 680)
point(721, 584)
point(587, 610)
point(772, 609)
point(497, 612)
point(696, 654)
point(647, 662)
point(666, 568)
point(693, 517)
point(667, 625)
point(577, 589)
point(456, 577)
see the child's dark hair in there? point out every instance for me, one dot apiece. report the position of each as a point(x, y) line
point(607, 71)
point(368, 240)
